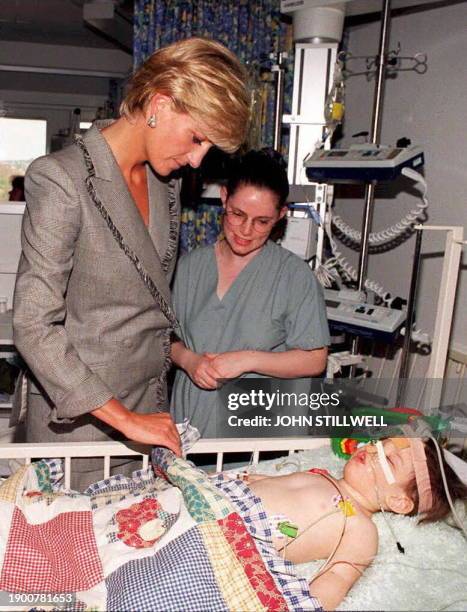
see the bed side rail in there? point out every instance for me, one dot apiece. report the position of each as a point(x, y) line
point(107, 450)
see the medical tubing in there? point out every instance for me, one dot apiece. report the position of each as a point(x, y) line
point(394, 231)
point(446, 488)
point(300, 533)
point(324, 565)
point(379, 446)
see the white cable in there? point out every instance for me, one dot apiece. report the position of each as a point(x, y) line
point(326, 272)
point(446, 489)
point(350, 273)
point(325, 276)
point(389, 234)
point(387, 471)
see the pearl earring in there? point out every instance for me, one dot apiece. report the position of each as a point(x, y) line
point(152, 121)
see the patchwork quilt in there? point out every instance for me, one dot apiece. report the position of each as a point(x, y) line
point(168, 539)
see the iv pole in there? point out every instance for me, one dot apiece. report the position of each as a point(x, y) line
point(279, 68)
point(375, 138)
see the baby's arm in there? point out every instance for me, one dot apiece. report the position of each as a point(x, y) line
point(355, 553)
point(248, 478)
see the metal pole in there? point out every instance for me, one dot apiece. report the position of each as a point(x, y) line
point(279, 68)
point(404, 367)
point(375, 139)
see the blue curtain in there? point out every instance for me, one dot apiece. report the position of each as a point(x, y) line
point(252, 29)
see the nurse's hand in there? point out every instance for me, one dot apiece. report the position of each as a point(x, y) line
point(232, 364)
point(201, 371)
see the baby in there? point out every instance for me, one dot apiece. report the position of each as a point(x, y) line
point(314, 516)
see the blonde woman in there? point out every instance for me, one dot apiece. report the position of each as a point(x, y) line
point(92, 309)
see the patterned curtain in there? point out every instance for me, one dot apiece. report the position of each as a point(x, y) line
point(200, 226)
point(252, 29)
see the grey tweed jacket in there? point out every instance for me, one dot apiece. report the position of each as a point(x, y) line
point(84, 321)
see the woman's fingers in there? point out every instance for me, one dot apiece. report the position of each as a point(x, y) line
point(205, 375)
point(157, 429)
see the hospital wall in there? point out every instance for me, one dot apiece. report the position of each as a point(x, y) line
point(53, 96)
point(430, 110)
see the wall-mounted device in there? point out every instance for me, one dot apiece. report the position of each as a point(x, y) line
point(362, 319)
point(314, 65)
point(300, 236)
point(363, 163)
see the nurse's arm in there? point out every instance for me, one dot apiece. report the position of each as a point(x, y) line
point(295, 363)
point(198, 366)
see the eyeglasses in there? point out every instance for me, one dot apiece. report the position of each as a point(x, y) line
point(238, 217)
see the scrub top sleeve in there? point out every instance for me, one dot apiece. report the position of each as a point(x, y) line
point(306, 322)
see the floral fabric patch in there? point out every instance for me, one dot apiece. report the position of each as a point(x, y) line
point(143, 523)
point(246, 552)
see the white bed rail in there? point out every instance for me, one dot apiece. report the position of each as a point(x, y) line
point(106, 450)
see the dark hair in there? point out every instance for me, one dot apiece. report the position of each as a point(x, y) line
point(264, 169)
point(17, 182)
point(440, 507)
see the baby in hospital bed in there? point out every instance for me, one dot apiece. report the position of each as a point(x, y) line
point(314, 516)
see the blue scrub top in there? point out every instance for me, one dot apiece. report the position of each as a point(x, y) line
point(274, 304)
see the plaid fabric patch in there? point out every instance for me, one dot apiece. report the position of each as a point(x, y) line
point(230, 575)
point(56, 472)
point(9, 488)
point(114, 483)
point(294, 589)
point(188, 435)
point(117, 488)
point(56, 556)
point(178, 578)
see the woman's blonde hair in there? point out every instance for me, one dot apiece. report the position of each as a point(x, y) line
point(204, 79)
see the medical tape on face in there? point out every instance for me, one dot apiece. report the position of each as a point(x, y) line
point(422, 476)
point(384, 463)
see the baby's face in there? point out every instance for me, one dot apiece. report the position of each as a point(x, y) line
point(365, 473)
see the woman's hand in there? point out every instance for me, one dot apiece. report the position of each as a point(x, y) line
point(201, 370)
point(156, 429)
point(232, 364)
point(198, 366)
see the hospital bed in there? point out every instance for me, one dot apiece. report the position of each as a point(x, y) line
point(431, 575)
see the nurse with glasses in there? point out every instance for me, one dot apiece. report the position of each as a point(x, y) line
point(245, 305)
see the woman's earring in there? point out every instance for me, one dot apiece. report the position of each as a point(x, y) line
point(152, 121)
